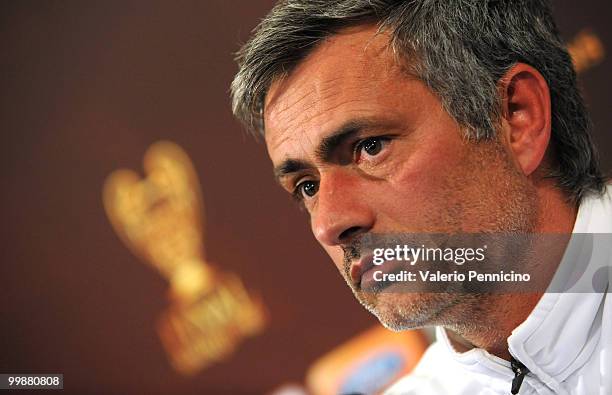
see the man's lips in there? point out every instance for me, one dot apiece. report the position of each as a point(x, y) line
point(359, 267)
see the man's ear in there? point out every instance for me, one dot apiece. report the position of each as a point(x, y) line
point(526, 114)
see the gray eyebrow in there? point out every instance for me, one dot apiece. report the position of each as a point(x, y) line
point(290, 166)
point(327, 147)
point(330, 143)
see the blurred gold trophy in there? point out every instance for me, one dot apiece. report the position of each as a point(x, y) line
point(586, 50)
point(159, 219)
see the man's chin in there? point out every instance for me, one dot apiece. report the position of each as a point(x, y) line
point(400, 311)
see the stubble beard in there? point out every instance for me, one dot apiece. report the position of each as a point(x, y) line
point(512, 204)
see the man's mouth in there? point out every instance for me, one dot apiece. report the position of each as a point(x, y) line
point(360, 268)
point(363, 271)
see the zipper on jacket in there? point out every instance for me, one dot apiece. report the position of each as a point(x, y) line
point(520, 371)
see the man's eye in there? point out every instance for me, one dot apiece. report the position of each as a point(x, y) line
point(306, 189)
point(371, 146)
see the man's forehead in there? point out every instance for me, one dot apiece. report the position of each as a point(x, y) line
point(340, 73)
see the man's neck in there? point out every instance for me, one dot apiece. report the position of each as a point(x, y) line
point(491, 328)
point(506, 313)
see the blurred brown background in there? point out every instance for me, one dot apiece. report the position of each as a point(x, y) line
point(86, 88)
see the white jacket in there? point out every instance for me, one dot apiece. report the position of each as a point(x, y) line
point(566, 341)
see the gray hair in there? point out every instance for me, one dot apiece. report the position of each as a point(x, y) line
point(459, 48)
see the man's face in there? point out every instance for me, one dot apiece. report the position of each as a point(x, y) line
point(368, 149)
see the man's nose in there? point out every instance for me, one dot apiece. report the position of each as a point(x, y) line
point(342, 211)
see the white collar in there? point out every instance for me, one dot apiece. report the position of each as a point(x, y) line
point(560, 334)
